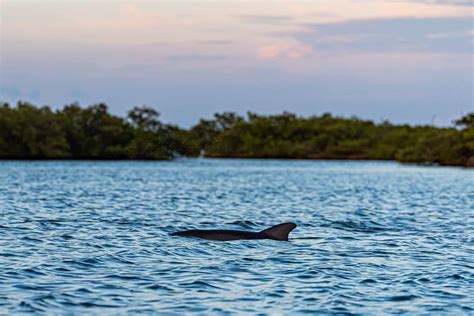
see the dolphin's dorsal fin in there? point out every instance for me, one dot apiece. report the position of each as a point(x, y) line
point(280, 231)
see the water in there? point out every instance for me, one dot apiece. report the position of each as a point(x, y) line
point(372, 237)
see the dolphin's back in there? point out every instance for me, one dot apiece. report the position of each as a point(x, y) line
point(277, 232)
point(223, 235)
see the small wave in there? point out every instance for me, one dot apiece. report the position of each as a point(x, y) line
point(243, 224)
point(159, 287)
point(199, 284)
point(25, 306)
point(402, 298)
point(33, 271)
point(30, 287)
point(125, 277)
point(369, 281)
point(360, 227)
point(84, 263)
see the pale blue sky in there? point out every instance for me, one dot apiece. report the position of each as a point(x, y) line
point(405, 61)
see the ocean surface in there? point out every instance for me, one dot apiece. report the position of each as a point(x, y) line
point(92, 237)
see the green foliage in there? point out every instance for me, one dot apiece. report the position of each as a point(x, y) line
point(204, 134)
point(29, 132)
point(145, 119)
point(445, 147)
point(93, 133)
point(328, 137)
point(466, 121)
point(148, 141)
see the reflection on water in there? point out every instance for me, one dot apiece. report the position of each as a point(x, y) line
point(372, 237)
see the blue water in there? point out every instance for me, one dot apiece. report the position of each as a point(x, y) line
point(372, 237)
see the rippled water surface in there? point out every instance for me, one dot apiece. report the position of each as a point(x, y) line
point(372, 237)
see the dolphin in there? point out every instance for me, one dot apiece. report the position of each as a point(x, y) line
point(277, 232)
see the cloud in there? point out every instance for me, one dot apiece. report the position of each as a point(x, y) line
point(444, 35)
point(215, 42)
point(264, 19)
point(291, 50)
point(195, 57)
point(433, 35)
point(447, 2)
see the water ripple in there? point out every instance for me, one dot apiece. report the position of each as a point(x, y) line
point(372, 238)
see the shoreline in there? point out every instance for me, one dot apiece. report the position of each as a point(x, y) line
point(73, 133)
point(421, 164)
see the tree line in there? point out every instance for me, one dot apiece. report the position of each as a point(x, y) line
point(75, 132)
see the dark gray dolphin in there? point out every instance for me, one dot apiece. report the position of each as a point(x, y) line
point(277, 232)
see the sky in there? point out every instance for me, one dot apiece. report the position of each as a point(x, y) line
point(404, 61)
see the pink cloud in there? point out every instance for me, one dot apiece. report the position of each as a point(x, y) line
point(292, 50)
